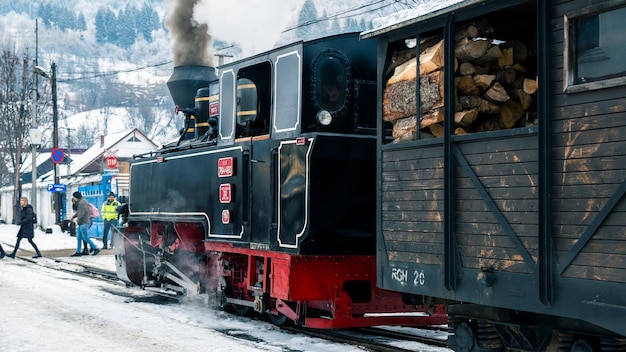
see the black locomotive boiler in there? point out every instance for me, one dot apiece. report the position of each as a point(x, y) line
point(503, 189)
point(266, 203)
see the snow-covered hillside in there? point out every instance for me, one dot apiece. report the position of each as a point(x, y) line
point(97, 79)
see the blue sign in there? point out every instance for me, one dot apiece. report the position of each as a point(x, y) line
point(54, 187)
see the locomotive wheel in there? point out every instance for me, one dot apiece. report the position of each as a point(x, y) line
point(240, 310)
point(465, 337)
point(278, 320)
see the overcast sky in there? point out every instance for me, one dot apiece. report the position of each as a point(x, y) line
point(255, 24)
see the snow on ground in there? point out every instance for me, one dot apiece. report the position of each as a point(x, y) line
point(48, 310)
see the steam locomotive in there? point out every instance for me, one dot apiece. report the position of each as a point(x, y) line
point(267, 201)
point(503, 177)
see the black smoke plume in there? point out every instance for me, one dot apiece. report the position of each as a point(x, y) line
point(192, 41)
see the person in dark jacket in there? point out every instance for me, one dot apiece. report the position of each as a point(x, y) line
point(83, 218)
point(27, 228)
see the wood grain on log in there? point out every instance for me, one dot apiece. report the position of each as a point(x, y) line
point(497, 93)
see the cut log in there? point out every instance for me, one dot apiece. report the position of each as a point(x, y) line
point(468, 31)
point(524, 98)
point(492, 54)
point(465, 86)
point(466, 69)
point(468, 50)
point(530, 86)
point(400, 57)
point(437, 130)
point(506, 76)
point(432, 117)
point(497, 93)
point(484, 106)
point(432, 59)
point(399, 98)
point(405, 128)
point(507, 58)
point(483, 82)
point(459, 131)
point(510, 113)
point(466, 118)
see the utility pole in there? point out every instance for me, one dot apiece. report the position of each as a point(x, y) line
point(55, 140)
point(35, 138)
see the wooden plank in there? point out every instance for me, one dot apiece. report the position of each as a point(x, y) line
point(596, 246)
point(413, 216)
point(413, 164)
point(496, 265)
point(583, 191)
point(568, 231)
point(516, 205)
point(413, 206)
point(505, 193)
point(604, 260)
point(411, 195)
point(575, 117)
point(487, 217)
point(421, 185)
point(419, 237)
point(499, 145)
point(421, 152)
point(595, 273)
point(591, 137)
point(431, 227)
point(518, 181)
point(499, 241)
point(589, 151)
point(613, 162)
point(584, 217)
point(589, 178)
point(491, 158)
point(493, 229)
point(423, 248)
point(414, 258)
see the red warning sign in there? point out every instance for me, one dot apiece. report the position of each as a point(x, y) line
point(225, 193)
point(225, 167)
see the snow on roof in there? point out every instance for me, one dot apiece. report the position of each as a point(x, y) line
point(117, 144)
point(420, 12)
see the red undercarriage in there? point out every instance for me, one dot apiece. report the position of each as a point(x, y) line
point(322, 292)
point(315, 291)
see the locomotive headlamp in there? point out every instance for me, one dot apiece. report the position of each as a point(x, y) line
point(324, 117)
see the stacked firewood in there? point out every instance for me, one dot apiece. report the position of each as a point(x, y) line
point(493, 89)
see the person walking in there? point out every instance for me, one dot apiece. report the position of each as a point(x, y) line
point(83, 219)
point(109, 215)
point(2, 252)
point(27, 228)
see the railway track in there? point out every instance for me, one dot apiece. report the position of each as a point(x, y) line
point(380, 339)
point(372, 339)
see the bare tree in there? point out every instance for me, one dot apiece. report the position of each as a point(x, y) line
point(14, 112)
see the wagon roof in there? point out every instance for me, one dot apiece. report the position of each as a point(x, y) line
point(419, 13)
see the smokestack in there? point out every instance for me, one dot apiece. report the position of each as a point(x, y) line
point(185, 82)
point(193, 60)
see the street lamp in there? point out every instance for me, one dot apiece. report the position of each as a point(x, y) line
point(55, 131)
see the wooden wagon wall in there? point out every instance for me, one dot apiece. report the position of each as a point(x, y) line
point(589, 167)
point(412, 204)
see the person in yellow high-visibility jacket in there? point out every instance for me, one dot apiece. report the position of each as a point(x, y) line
point(109, 215)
